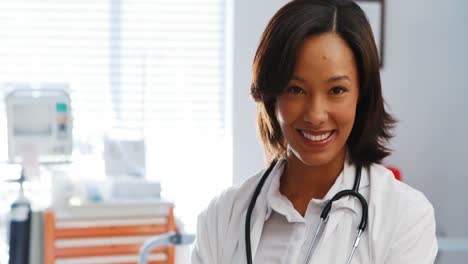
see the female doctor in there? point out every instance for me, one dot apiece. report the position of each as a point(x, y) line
point(324, 129)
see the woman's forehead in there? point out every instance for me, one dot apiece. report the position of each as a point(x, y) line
point(325, 56)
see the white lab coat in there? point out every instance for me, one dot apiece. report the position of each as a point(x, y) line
point(401, 223)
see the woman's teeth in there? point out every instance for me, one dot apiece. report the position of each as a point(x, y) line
point(316, 137)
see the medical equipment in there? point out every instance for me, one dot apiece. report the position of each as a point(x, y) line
point(107, 232)
point(39, 131)
point(19, 227)
point(134, 189)
point(39, 125)
point(125, 158)
point(323, 216)
point(163, 240)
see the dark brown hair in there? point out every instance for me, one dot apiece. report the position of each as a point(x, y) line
point(276, 57)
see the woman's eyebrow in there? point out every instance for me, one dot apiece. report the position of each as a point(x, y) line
point(297, 78)
point(338, 78)
point(329, 80)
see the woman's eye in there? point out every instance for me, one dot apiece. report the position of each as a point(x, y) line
point(338, 90)
point(294, 90)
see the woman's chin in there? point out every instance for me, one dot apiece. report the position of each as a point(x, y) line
point(318, 159)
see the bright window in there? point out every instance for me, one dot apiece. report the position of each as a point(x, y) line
point(149, 68)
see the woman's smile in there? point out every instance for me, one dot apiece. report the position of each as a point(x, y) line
point(317, 138)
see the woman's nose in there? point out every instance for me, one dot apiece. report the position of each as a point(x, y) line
point(315, 112)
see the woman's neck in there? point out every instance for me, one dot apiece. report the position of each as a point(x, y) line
point(301, 182)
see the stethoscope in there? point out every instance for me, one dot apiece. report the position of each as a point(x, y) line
point(323, 216)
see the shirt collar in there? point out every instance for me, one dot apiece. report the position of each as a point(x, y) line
point(280, 204)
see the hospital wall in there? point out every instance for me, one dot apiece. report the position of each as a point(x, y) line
point(425, 84)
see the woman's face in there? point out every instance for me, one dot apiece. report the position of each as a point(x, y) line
point(317, 108)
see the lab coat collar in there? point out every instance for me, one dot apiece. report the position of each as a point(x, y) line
point(350, 174)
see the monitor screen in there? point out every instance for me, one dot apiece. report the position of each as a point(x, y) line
point(32, 119)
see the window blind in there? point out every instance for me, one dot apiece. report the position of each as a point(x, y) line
point(64, 42)
point(153, 67)
point(129, 64)
point(171, 63)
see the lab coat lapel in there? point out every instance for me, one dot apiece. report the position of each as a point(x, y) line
point(346, 203)
point(258, 214)
point(240, 255)
point(258, 220)
point(336, 216)
point(260, 210)
point(256, 231)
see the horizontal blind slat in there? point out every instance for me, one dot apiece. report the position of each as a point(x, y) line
point(161, 45)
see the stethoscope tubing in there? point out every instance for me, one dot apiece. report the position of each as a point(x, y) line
point(248, 247)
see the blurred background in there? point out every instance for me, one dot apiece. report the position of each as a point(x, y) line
point(160, 111)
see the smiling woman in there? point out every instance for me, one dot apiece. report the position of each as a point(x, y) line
point(324, 128)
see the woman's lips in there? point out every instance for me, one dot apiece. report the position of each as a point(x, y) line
point(317, 138)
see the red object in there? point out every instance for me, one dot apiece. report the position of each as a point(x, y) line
point(396, 172)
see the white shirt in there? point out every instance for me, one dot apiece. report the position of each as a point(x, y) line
point(401, 223)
